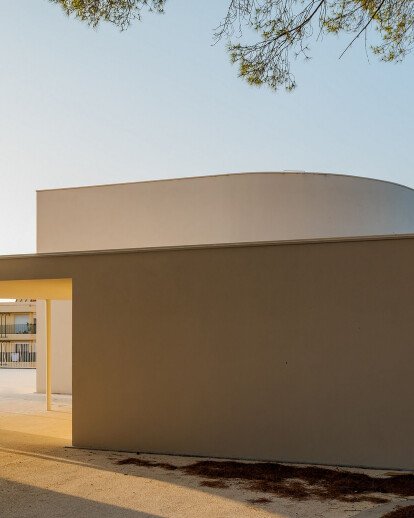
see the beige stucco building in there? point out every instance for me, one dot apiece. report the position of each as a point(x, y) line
point(237, 208)
point(267, 316)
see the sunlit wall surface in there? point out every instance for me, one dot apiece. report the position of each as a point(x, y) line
point(221, 209)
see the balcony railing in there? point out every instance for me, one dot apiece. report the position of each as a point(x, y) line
point(17, 356)
point(17, 329)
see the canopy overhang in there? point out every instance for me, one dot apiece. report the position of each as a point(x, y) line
point(55, 289)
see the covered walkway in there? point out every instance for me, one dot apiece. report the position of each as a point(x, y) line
point(217, 325)
point(23, 412)
point(296, 352)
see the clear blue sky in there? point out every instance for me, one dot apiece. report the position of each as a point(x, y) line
point(81, 107)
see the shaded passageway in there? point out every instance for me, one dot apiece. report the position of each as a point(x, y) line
point(23, 411)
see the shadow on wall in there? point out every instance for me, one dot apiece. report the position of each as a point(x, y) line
point(61, 346)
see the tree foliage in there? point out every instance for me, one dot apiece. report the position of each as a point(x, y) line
point(118, 12)
point(265, 36)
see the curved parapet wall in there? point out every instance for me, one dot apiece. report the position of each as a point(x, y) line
point(235, 208)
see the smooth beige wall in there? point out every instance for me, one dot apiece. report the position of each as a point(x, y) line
point(61, 347)
point(234, 208)
point(299, 352)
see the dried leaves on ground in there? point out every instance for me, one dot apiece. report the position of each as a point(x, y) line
point(296, 482)
point(401, 512)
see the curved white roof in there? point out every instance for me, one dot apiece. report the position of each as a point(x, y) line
point(234, 208)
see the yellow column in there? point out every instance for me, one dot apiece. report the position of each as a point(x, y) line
point(48, 356)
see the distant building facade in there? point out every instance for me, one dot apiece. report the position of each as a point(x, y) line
point(18, 334)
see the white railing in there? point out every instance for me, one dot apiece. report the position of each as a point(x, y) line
point(17, 356)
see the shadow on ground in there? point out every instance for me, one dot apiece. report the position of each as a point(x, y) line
point(55, 504)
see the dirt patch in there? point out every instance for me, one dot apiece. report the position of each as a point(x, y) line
point(148, 464)
point(401, 512)
point(220, 484)
point(259, 501)
point(296, 482)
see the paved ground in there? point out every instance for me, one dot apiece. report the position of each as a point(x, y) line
point(42, 477)
point(381, 510)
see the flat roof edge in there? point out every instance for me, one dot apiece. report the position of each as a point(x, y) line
point(246, 244)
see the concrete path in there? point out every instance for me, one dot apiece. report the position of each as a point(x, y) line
point(41, 477)
point(381, 510)
point(17, 381)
